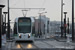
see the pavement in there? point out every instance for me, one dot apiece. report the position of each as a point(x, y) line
point(52, 42)
point(41, 45)
point(3, 42)
point(58, 38)
point(61, 39)
point(67, 39)
point(3, 48)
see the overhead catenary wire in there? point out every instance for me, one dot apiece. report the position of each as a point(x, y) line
point(28, 8)
point(42, 5)
point(14, 3)
point(24, 3)
point(24, 11)
point(24, 8)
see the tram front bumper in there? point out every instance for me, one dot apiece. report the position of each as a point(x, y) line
point(26, 38)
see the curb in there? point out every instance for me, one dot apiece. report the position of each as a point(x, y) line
point(59, 40)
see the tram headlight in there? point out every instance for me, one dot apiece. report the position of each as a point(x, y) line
point(19, 35)
point(28, 35)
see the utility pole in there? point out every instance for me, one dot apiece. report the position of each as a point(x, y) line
point(73, 35)
point(40, 25)
point(61, 18)
point(5, 20)
point(1, 6)
point(65, 23)
point(68, 26)
point(8, 22)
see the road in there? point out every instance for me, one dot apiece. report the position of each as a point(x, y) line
point(42, 44)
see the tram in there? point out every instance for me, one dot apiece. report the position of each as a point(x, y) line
point(24, 29)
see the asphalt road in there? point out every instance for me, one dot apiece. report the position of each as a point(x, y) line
point(39, 44)
point(48, 44)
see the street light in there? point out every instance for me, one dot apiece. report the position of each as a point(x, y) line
point(62, 17)
point(68, 26)
point(1, 6)
point(73, 34)
point(65, 22)
point(5, 20)
point(8, 22)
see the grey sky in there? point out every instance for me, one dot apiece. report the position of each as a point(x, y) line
point(53, 8)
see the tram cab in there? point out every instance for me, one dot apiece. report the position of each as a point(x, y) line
point(23, 29)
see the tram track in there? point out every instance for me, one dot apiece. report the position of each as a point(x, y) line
point(21, 46)
point(27, 46)
point(47, 43)
point(36, 46)
point(15, 44)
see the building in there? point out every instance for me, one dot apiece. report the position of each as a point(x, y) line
point(43, 25)
point(55, 27)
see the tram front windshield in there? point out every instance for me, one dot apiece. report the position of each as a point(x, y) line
point(24, 25)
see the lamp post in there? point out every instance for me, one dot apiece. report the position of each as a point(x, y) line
point(5, 20)
point(62, 17)
point(73, 35)
point(1, 6)
point(8, 23)
point(65, 23)
point(68, 26)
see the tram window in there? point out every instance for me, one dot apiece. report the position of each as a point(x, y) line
point(24, 25)
point(24, 20)
point(20, 21)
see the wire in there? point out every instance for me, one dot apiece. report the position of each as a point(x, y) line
point(24, 3)
point(42, 5)
point(24, 14)
point(14, 2)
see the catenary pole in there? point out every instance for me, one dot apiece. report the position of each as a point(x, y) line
point(61, 18)
point(8, 22)
point(73, 21)
point(1, 6)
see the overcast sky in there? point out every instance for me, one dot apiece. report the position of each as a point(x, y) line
point(53, 8)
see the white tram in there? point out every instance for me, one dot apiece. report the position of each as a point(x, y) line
point(24, 29)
